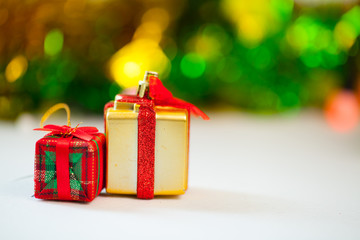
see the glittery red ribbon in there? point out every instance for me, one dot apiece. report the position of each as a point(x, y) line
point(163, 97)
point(62, 153)
point(146, 145)
point(160, 96)
point(146, 152)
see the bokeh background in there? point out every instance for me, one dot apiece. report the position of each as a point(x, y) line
point(278, 78)
point(262, 56)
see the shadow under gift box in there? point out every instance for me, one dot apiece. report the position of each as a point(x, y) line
point(171, 149)
point(86, 170)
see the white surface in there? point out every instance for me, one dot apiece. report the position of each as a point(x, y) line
point(250, 178)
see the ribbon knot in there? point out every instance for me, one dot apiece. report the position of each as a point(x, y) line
point(84, 133)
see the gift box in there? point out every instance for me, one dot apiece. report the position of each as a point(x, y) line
point(148, 141)
point(69, 162)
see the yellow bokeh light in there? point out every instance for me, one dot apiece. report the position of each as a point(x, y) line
point(158, 16)
point(131, 69)
point(255, 19)
point(143, 53)
point(16, 68)
point(149, 30)
point(206, 46)
point(252, 28)
point(128, 65)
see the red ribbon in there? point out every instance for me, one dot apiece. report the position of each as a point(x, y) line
point(62, 168)
point(160, 96)
point(163, 97)
point(84, 133)
point(146, 152)
point(62, 153)
point(146, 145)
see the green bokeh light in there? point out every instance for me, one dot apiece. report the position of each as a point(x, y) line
point(283, 7)
point(209, 64)
point(323, 39)
point(260, 57)
point(298, 37)
point(311, 60)
point(53, 42)
point(229, 69)
point(192, 65)
point(352, 17)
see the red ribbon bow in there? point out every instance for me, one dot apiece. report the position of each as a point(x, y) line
point(62, 153)
point(84, 133)
point(163, 97)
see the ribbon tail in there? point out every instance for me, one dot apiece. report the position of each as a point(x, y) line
point(84, 133)
point(163, 97)
point(193, 109)
point(197, 112)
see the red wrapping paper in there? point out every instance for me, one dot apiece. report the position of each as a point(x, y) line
point(69, 163)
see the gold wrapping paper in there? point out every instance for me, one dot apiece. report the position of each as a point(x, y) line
point(171, 149)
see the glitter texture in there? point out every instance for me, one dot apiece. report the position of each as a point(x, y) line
point(146, 145)
point(146, 153)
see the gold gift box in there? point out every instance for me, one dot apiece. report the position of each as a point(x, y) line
point(171, 149)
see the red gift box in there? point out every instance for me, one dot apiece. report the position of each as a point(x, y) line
point(69, 162)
